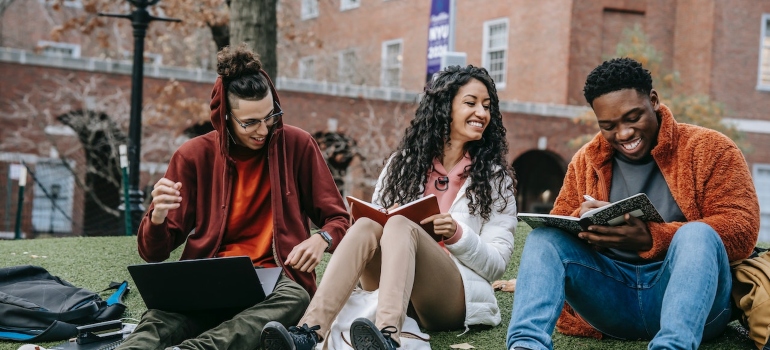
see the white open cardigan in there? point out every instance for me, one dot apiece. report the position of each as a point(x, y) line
point(482, 253)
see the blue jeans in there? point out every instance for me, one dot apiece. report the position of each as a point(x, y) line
point(676, 302)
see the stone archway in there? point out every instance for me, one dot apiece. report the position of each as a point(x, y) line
point(540, 175)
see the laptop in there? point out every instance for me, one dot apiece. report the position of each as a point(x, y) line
point(203, 284)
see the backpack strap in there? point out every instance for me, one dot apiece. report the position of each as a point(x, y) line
point(114, 304)
point(56, 331)
point(120, 291)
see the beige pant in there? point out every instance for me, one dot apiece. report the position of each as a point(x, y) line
point(405, 263)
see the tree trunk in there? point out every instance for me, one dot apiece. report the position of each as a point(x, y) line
point(254, 22)
point(221, 35)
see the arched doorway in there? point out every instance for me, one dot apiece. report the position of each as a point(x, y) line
point(540, 175)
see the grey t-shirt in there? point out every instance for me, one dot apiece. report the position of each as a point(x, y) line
point(643, 176)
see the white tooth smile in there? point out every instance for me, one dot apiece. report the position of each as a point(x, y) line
point(631, 145)
point(476, 124)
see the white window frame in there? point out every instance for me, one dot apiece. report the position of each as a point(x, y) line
point(499, 83)
point(342, 68)
point(385, 64)
point(309, 9)
point(306, 71)
point(764, 47)
point(349, 4)
point(764, 208)
point(78, 4)
point(74, 48)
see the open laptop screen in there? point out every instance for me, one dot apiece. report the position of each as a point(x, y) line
point(203, 284)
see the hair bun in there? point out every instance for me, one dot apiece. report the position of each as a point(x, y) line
point(236, 62)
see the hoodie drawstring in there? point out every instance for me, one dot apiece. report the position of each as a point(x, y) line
point(285, 165)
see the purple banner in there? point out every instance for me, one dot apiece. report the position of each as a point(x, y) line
point(438, 35)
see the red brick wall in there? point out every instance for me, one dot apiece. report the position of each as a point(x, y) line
point(587, 35)
point(306, 110)
point(736, 58)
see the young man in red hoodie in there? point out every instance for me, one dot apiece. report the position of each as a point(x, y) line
point(248, 188)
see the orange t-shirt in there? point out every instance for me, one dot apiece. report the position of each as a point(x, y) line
point(249, 229)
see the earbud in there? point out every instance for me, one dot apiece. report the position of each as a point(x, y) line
point(226, 116)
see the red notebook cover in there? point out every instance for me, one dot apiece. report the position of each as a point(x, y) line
point(415, 211)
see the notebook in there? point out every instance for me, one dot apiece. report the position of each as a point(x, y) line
point(203, 284)
point(416, 211)
point(612, 214)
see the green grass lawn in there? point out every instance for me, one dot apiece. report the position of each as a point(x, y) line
point(93, 263)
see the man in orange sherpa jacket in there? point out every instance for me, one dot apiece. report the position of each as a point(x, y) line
point(668, 282)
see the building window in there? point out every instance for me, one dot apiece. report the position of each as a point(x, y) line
point(762, 185)
point(349, 4)
point(764, 55)
point(307, 68)
point(391, 63)
point(53, 200)
point(495, 49)
point(309, 9)
point(51, 48)
point(348, 65)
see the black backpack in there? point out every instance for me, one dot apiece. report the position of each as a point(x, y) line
point(36, 306)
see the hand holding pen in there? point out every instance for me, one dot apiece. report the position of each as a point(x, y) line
point(590, 203)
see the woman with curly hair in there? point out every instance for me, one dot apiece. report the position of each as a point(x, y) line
point(242, 189)
point(455, 149)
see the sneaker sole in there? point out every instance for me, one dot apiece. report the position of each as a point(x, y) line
point(276, 338)
point(365, 336)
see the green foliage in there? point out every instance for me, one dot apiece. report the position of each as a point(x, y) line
point(698, 109)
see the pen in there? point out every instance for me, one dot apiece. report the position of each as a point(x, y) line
point(588, 198)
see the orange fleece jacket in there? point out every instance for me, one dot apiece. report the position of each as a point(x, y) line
point(708, 178)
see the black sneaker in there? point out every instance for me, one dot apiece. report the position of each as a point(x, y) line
point(365, 336)
point(276, 337)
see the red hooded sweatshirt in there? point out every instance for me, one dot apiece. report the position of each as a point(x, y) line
point(301, 184)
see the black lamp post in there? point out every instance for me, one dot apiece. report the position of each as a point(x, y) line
point(140, 19)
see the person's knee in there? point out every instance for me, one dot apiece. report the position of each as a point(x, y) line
point(398, 229)
point(303, 298)
point(698, 243)
point(363, 231)
point(366, 224)
point(697, 234)
point(398, 221)
point(296, 294)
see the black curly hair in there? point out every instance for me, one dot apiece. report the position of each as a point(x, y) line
point(617, 74)
point(239, 68)
point(427, 134)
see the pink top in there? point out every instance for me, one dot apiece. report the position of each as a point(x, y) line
point(446, 192)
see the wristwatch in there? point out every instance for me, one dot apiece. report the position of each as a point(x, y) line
point(328, 238)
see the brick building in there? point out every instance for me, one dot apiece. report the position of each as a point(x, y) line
point(367, 61)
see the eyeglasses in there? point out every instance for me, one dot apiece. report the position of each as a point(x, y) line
point(269, 121)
